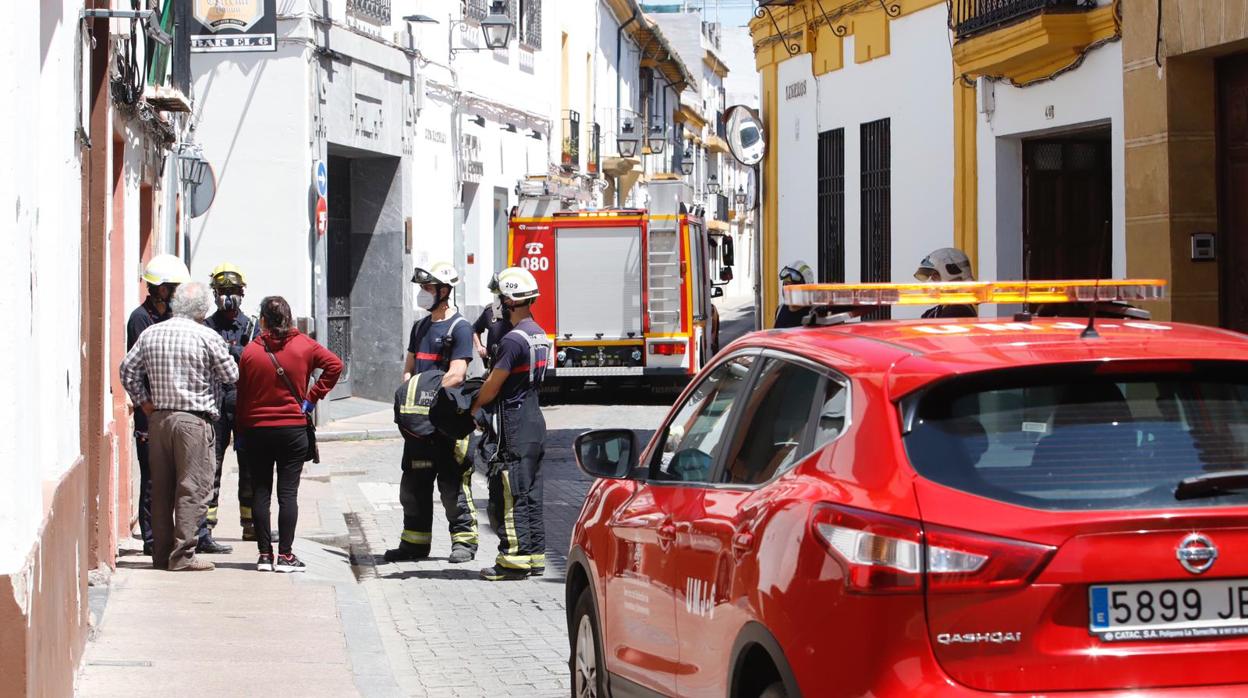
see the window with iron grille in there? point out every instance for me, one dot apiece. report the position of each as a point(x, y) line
point(832, 206)
point(376, 10)
point(476, 9)
point(571, 152)
point(876, 225)
point(526, 17)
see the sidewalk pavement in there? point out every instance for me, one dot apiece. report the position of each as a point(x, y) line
point(357, 419)
point(736, 318)
point(238, 632)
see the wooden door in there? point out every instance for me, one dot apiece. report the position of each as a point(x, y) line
point(1232, 239)
point(1067, 204)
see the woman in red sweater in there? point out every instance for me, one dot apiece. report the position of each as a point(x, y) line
point(272, 423)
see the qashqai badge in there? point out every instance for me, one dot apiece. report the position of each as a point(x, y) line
point(1197, 553)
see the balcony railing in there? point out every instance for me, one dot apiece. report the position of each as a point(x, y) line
point(593, 158)
point(721, 208)
point(570, 157)
point(476, 10)
point(968, 17)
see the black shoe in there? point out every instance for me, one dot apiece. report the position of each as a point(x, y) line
point(288, 563)
point(208, 546)
point(498, 573)
point(461, 553)
point(265, 563)
point(406, 552)
point(249, 530)
point(147, 549)
point(537, 571)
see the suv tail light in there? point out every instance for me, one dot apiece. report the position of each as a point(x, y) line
point(891, 555)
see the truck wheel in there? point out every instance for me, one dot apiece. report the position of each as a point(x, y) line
point(589, 676)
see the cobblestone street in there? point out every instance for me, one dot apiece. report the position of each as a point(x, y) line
point(445, 632)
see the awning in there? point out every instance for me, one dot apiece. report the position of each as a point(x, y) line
point(690, 117)
point(657, 53)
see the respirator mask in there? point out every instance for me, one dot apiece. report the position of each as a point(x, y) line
point(427, 299)
point(230, 300)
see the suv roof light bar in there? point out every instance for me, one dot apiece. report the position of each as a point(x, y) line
point(975, 292)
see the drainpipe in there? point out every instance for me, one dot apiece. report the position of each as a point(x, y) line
point(619, 82)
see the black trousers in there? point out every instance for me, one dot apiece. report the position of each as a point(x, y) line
point(445, 462)
point(224, 430)
point(261, 451)
point(516, 494)
point(145, 487)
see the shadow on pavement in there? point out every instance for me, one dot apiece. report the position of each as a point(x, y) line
point(454, 574)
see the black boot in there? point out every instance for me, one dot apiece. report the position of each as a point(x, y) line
point(461, 553)
point(406, 552)
point(208, 546)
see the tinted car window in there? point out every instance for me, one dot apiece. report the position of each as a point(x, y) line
point(1071, 438)
point(833, 413)
point(696, 433)
point(773, 430)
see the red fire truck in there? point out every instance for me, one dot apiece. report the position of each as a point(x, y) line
point(626, 293)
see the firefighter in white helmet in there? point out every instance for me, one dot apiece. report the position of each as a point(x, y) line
point(515, 469)
point(946, 264)
point(162, 274)
point(442, 340)
point(798, 272)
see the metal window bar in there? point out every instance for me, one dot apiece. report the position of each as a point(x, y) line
point(376, 10)
point(530, 33)
point(876, 224)
point(593, 158)
point(476, 10)
point(831, 201)
point(969, 17)
point(571, 152)
point(721, 207)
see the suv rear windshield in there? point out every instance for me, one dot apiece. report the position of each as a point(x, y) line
point(1108, 436)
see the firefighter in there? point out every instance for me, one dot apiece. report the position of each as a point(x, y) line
point(946, 264)
point(442, 340)
point(237, 329)
point(162, 274)
point(798, 272)
point(515, 469)
point(492, 324)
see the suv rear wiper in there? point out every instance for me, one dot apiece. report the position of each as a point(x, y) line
point(1212, 484)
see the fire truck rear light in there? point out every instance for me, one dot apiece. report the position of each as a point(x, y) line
point(668, 348)
point(975, 292)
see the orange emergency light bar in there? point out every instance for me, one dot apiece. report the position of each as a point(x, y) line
point(975, 292)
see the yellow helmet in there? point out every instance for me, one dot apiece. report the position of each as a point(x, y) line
point(226, 275)
point(166, 269)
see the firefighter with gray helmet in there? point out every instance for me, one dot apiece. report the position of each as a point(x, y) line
point(512, 389)
point(798, 272)
point(162, 274)
point(440, 345)
point(946, 264)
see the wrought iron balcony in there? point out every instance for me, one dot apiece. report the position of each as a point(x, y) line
point(969, 17)
point(593, 158)
point(571, 152)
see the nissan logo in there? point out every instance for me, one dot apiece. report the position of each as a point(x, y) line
point(1196, 553)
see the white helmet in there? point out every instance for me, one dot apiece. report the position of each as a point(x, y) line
point(945, 264)
point(438, 273)
point(166, 269)
point(798, 272)
point(516, 284)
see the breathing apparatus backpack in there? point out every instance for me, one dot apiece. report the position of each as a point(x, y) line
point(415, 396)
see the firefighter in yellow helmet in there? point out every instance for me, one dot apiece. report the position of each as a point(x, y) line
point(162, 274)
point(237, 329)
point(515, 468)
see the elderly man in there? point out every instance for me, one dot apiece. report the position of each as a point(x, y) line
point(174, 373)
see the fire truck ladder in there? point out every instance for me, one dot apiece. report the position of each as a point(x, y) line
point(663, 264)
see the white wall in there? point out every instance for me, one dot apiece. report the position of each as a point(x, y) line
point(1088, 96)
point(912, 87)
point(40, 210)
point(254, 126)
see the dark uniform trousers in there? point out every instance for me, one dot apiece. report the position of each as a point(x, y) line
point(145, 476)
point(516, 486)
point(437, 459)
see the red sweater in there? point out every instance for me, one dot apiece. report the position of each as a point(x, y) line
point(263, 398)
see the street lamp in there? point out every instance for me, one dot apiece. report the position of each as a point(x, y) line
point(657, 138)
point(686, 163)
point(740, 198)
point(496, 27)
point(712, 185)
point(627, 139)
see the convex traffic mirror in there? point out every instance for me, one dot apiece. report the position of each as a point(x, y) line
point(745, 135)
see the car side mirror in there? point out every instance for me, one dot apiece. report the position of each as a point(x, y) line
point(727, 253)
point(717, 292)
point(607, 453)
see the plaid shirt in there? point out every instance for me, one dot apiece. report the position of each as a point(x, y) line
point(183, 362)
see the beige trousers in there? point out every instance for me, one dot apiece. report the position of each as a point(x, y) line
point(180, 448)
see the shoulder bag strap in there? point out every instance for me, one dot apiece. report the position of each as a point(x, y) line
point(281, 372)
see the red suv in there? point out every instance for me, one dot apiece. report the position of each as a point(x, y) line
point(926, 508)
